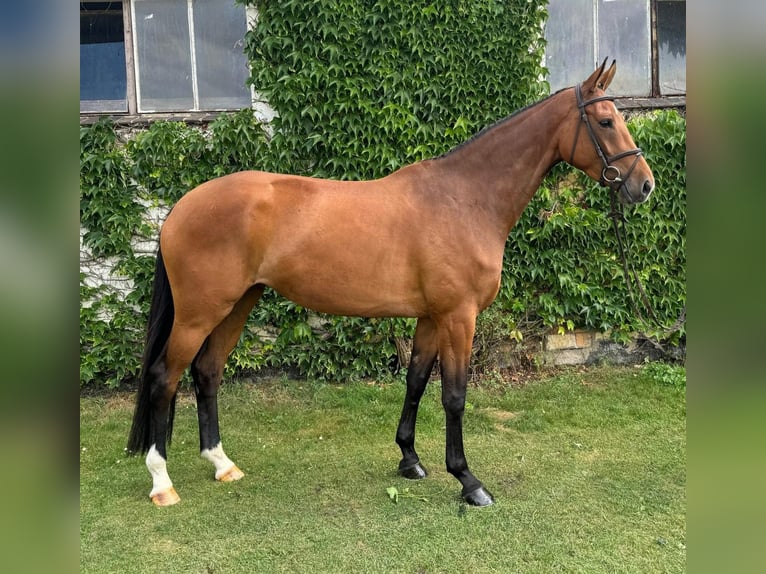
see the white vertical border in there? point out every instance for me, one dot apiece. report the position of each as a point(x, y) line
point(136, 61)
point(649, 51)
point(596, 55)
point(262, 111)
point(193, 50)
point(130, 68)
point(251, 21)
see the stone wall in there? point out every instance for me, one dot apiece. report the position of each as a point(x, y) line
point(101, 271)
point(581, 347)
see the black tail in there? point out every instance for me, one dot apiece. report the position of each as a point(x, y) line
point(160, 323)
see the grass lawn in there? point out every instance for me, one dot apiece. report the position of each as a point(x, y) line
point(588, 468)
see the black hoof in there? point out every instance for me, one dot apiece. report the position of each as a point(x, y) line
point(414, 472)
point(479, 497)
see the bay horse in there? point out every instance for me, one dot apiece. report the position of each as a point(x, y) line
point(426, 241)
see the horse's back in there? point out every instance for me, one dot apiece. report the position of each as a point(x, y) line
point(340, 247)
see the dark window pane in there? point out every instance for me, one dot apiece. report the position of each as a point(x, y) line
point(671, 39)
point(103, 80)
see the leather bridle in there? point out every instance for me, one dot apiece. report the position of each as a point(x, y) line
point(611, 176)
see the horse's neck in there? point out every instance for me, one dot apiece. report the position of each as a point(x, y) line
point(502, 168)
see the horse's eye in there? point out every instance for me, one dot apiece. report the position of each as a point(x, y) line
point(605, 123)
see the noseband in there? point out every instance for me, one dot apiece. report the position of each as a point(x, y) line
point(610, 175)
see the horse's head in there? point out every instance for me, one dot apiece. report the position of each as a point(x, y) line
point(596, 140)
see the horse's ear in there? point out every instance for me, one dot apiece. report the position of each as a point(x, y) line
point(606, 79)
point(593, 81)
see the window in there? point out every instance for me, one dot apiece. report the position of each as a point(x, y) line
point(671, 43)
point(103, 78)
point(646, 37)
point(162, 56)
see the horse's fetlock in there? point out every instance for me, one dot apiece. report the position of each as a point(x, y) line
point(405, 439)
point(457, 468)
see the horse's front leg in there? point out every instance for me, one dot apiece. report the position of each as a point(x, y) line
point(424, 351)
point(455, 340)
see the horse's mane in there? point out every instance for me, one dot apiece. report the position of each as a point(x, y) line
point(497, 124)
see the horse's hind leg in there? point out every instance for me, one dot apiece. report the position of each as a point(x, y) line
point(207, 372)
point(183, 344)
point(424, 351)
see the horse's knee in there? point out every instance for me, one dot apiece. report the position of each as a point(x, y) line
point(453, 402)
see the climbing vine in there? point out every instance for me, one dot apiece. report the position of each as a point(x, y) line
point(562, 257)
point(361, 89)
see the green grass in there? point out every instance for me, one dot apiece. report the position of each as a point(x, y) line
point(588, 468)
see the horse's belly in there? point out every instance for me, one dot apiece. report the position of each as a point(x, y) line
point(344, 272)
point(336, 298)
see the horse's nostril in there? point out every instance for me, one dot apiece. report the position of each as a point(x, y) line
point(648, 187)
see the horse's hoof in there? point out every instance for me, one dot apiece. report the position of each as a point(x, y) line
point(479, 497)
point(414, 472)
point(167, 497)
point(231, 474)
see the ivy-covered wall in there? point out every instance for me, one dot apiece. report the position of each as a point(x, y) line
point(361, 89)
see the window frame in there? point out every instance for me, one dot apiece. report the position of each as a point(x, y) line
point(656, 90)
point(134, 117)
point(130, 58)
point(133, 114)
point(129, 77)
point(655, 98)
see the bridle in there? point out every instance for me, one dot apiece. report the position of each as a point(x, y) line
point(610, 175)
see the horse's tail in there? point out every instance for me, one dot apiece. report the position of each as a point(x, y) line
point(161, 314)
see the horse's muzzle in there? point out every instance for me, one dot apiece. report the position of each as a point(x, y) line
point(628, 195)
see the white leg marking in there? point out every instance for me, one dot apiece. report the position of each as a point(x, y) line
point(219, 459)
point(158, 468)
